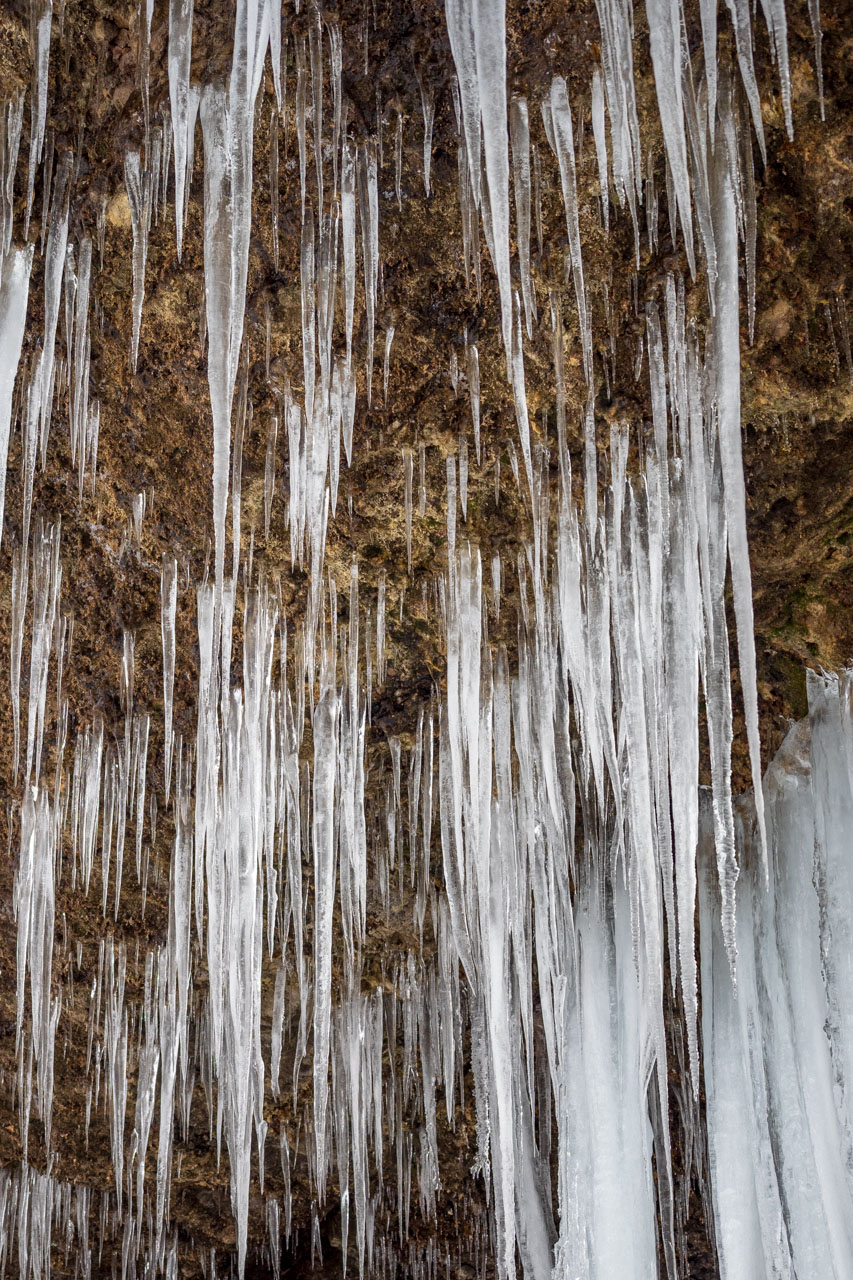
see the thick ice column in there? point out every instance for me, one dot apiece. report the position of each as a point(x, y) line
point(778, 1136)
point(607, 1196)
point(831, 719)
point(733, 1143)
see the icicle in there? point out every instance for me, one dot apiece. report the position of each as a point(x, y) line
point(520, 136)
point(489, 23)
point(47, 583)
point(219, 290)
point(20, 581)
point(665, 40)
point(398, 160)
point(708, 15)
point(520, 397)
point(11, 119)
point(750, 230)
point(683, 622)
point(368, 208)
point(138, 184)
point(228, 147)
point(422, 489)
point(600, 136)
point(78, 408)
point(336, 49)
point(145, 14)
point(315, 43)
point(14, 291)
point(57, 242)
point(463, 477)
point(557, 111)
point(460, 28)
point(537, 197)
point(301, 109)
point(168, 609)
point(477, 31)
point(269, 473)
point(727, 372)
point(617, 65)
point(183, 110)
point(389, 338)
point(274, 204)
point(474, 393)
point(41, 18)
point(814, 17)
point(739, 11)
point(380, 630)
point(408, 468)
point(348, 237)
point(774, 14)
point(428, 108)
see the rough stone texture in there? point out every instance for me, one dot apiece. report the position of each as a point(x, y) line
point(156, 436)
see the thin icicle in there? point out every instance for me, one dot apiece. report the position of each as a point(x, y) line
point(368, 209)
point(600, 136)
point(408, 470)
point(168, 609)
point(474, 393)
point(428, 109)
point(348, 238)
point(55, 254)
point(814, 17)
point(274, 197)
point(777, 25)
point(137, 181)
point(398, 160)
point(558, 113)
point(183, 115)
point(739, 11)
point(520, 136)
point(389, 338)
point(269, 474)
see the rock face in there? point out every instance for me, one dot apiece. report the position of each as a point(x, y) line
point(150, 496)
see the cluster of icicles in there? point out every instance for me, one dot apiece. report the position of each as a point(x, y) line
point(547, 947)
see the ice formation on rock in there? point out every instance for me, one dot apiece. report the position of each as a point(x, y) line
point(540, 836)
